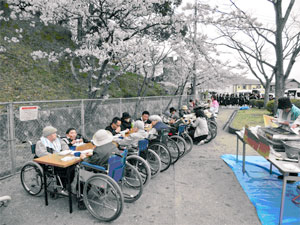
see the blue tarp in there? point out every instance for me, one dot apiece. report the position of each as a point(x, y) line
point(264, 189)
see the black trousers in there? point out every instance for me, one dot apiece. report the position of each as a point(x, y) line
point(199, 138)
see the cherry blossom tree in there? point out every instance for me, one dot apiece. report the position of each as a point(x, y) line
point(101, 30)
point(267, 49)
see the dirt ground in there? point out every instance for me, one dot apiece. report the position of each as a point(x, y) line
point(199, 189)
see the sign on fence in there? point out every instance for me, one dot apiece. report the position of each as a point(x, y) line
point(28, 113)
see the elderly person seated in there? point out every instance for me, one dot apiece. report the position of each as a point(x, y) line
point(138, 134)
point(115, 126)
point(74, 139)
point(184, 111)
point(102, 139)
point(49, 143)
point(157, 126)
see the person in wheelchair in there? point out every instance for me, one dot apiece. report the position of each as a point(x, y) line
point(102, 139)
point(157, 126)
point(49, 143)
point(132, 140)
point(74, 139)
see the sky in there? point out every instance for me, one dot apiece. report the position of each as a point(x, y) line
point(264, 12)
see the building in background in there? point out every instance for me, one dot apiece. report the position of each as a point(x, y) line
point(290, 83)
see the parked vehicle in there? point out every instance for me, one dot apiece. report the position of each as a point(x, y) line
point(293, 93)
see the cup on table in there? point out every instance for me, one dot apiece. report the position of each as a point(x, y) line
point(77, 154)
point(73, 148)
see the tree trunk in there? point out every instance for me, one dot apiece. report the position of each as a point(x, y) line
point(267, 91)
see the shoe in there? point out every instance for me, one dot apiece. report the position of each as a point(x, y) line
point(63, 192)
point(81, 205)
point(201, 142)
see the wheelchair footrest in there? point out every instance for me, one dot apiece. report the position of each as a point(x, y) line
point(93, 166)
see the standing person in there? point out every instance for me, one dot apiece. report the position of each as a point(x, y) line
point(125, 121)
point(191, 105)
point(73, 138)
point(214, 105)
point(201, 128)
point(288, 113)
point(115, 126)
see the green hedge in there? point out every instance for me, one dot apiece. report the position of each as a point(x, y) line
point(252, 102)
point(259, 103)
point(270, 104)
point(256, 103)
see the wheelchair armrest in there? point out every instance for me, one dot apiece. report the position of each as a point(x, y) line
point(117, 154)
point(93, 166)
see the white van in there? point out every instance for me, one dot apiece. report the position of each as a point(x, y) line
point(293, 93)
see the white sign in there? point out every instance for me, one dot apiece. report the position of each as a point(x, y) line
point(28, 113)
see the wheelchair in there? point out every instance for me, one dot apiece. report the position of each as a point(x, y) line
point(104, 190)
point(145, 160)
point(127, 176)
point(32, 177)
point(166, 148)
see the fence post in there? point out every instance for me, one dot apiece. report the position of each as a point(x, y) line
point(82, 118)
point(11, 137)
point(161, 106)
point(120, 107)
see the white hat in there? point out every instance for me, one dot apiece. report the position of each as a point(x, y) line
point(139, 124)
point(102, 137)
point(184, 107)
point(155, 118)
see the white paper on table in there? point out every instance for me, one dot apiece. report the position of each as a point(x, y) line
point(78, 144)
point(296, 130)
point(65, 152)
point(68, 158)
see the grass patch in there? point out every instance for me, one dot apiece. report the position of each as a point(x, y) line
point(251, 117)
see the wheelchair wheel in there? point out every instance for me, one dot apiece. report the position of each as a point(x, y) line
point(212, 131)
point(103, 197)
point(214, 127)
point(154, 162)
point(142, 166)
point(164, 154)
point(174, 150)
point(180, 143)
point(188, 141)
point(131, 184)
point(32, 178)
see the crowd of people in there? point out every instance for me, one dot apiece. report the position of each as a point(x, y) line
point(236, 99)
point(103, 139)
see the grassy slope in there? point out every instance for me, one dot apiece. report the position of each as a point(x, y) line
point(251, 117)
point(22, 78)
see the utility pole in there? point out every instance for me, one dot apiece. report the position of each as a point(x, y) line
point(194, 78)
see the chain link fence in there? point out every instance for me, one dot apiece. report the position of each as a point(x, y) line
point(87, 116)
